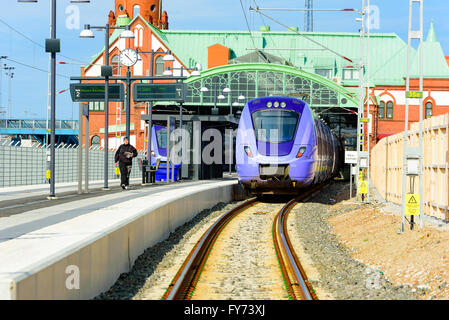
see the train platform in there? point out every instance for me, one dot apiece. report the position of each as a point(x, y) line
point(99, 234)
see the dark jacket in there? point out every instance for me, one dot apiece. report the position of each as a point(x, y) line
point(120, 154)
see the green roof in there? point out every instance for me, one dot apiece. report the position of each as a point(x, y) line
point(388, 52)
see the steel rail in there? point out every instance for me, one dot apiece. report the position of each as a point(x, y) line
point(296, 281)
point(184, 283)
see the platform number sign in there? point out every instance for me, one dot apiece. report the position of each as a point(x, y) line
point(414, 94)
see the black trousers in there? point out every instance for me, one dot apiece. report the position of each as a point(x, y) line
point(125, 171)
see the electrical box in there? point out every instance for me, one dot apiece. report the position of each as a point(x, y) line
point(52, 45)
point(363, 160)
point(412, 161)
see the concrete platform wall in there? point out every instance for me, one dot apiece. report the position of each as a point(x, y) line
point(84, 257)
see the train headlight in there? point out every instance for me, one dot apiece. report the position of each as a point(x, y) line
point(153, 153)
point(276, 104)
point(283, 104)
point(269, 104)
point(301, 152)
point(248, 151)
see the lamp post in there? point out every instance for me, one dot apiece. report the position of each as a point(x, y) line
point(106, 72)
point(1, 88)
point(220, 97)
point(53, 46)
point(10, 74)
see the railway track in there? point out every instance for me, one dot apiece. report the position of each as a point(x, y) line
point(298, 287)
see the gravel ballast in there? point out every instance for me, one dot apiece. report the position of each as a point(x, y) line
point(339, 275)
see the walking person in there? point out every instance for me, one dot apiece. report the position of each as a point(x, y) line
point(124, 157)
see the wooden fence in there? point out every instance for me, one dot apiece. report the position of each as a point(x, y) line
point(387, 163)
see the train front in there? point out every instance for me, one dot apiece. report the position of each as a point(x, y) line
point(275, 148)
point(159, 152)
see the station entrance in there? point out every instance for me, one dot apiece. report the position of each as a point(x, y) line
point(216, 99)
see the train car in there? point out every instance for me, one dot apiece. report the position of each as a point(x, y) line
point(282, 146)
point(159, 152)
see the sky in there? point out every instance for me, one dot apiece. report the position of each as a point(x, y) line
point(25, 26)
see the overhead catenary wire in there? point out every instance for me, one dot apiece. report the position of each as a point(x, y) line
point(35, 68)
point(34, 42)
point(270, 37)
point(303, 35)
point(250, 32)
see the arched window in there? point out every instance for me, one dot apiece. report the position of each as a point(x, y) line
point(382, 110)
point(115, 62)
point(136, 11)
point(160, 65)
point(95, 141)
point(138, 36)
point(429, 109)
point(389, 110)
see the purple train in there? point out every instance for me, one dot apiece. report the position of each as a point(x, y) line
point(282, 147)
point(159, 151)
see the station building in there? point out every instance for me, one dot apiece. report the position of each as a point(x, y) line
point(267, 62)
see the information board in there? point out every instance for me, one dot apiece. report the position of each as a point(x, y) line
point(95, 92)
point(351, 157)
point(159, 92)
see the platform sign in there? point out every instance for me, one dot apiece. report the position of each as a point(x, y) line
point(412, 204)
point(363, 186)
point(159, 92)
point(414, 94)
point(365, 120)
point(351, 157)
point(94, 92)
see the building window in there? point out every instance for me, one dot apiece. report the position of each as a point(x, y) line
point(96, 106)
point(115, 62)
point(382, 110)
point(389, 110)
point(95, 141)
point(138, 36)
point(350, 74)
point(429, 109)
point(136, 11)
point(327, 73)
point(160, 65)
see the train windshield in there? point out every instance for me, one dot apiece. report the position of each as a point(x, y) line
point(161, 136)
point(275, 126)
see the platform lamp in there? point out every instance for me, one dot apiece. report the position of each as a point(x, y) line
point(106, 72)
point(53, 46)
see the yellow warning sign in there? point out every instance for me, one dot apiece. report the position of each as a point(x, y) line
point(412, 201)
point(48, 174)
point(363, 186)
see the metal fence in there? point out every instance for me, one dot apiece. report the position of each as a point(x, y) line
point(21, 166)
